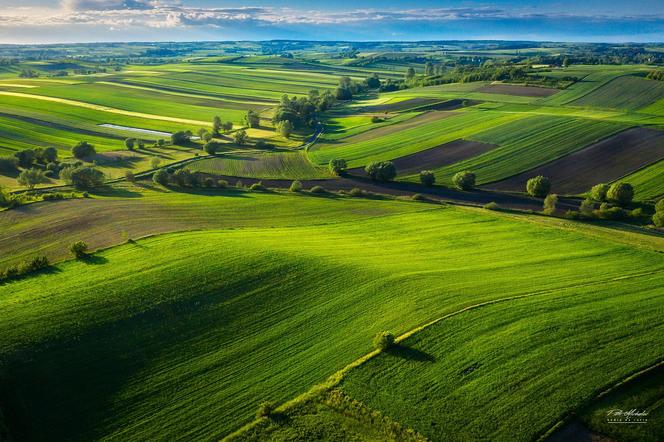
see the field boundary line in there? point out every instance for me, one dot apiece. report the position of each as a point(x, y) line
point(108, 109)
point(337, 377)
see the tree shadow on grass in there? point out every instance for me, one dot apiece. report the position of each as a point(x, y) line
point(94, 260)
point(118, 192)
point(410, 353)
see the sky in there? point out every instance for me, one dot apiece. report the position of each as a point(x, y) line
point(70, 21)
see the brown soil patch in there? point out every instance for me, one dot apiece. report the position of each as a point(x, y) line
point(601, 162)
point(514, 89)
point(436, 157)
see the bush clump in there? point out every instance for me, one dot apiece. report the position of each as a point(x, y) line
point(658, 217)
point(538, 186)
point(79, 249)
point(84, 177)
point(355, 192)
point(222, 184)
point(83, 150)
point(317, 189)
point(464, 180)
point(381, 170)
point(257, 186)
point(620, 193)
point(383, 340)
point(491, 206)
point(427, 178)
point(550, 203)
point(161, 177)
point(295, 186)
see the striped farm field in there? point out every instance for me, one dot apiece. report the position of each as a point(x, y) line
point(268, 312)
point(526, 143)
point(626, 92)
point(410, 140)
point(648, 182)
point(276, 165)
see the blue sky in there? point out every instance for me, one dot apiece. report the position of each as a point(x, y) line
point(54, 21)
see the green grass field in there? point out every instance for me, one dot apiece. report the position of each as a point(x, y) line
point(647, 182)
point(200, 359)
point(626, 92)
point(277, 165)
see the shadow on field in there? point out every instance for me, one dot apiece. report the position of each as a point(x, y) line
point(94, 260)
point(409, 353)
point(119, 192)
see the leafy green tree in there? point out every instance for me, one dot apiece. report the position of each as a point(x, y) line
point(296, 186)
point(216, 126)
point(658, 219)
point(338, 166)
point(538, 186)
point(83, 150)
point(265, 409)
point(550, 203)
point(410, 73)
point(155, 162)
point(48, 155)
point(25, 158)
point(598, 192)
point(373, 82)
point(381, 170)
point(464, 180)
point(429, 69)
point(180, 138)
point(79, 249)
point(427, 178)
point(129, 176)
point(211, 147)
point(659, 205)
point(86, 177)
point(252, 119)
point(285, 128)
point(184, 178)
point(240, 137)
point(130, 143)
point(383, 340)
point(31, 177)
point(587, 208)
point(8, 164)
point(620, 193)
point(161, 177)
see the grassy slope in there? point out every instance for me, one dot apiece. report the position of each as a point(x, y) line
point(408, 141)
point(527, 143)
point(262, 316)
point(647, 182)
point(626, 92)
point(508, 371)
point(278, 165)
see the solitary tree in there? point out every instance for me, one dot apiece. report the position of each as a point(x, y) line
point(620, 193)
point(373, 82)
point(381, 170)
point(216, 126)
point(180, 138)
point(161, 177)
point(338, 166)
point(427, 178)
point(201, 133)
point(383, 340)
point(31, 177)
point(211, 147)
point(252, 119)
point(83, 150)
point(538, 186)
point(155, 162)
point(49, 155)
point(227, 126)
point(79, 249)
point(464, 180)
point(410, 73)
point(241, 137)
point(130, 143)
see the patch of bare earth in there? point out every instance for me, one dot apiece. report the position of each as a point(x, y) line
point(436, 157)
point(601, 162)
point(515, 89)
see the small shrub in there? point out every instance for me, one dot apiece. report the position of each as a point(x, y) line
point(427, 178)
point(355, 192)
point(598, 192)
point(587, 208)
point(383, 340)
point(606, 211)
point(419, 197)
point(53, 196)
point(573, 214)
point(538, 186)
point(257, 186)
point(79, 249)
point(317, 189)
point(240, 137)
point(636, 213)
point(491, 206)
point(659, 205)
point(155, 162)
point(295, 186)
point(222, 184)
point(550, 203)
point(239, 184)
point(376, 119)
point(130, 143)
point(620, 193)
point(209, 182)
point(129, 176)
point(265, 409)
point(464, 180)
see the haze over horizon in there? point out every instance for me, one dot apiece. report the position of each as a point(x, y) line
point(76, 21)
